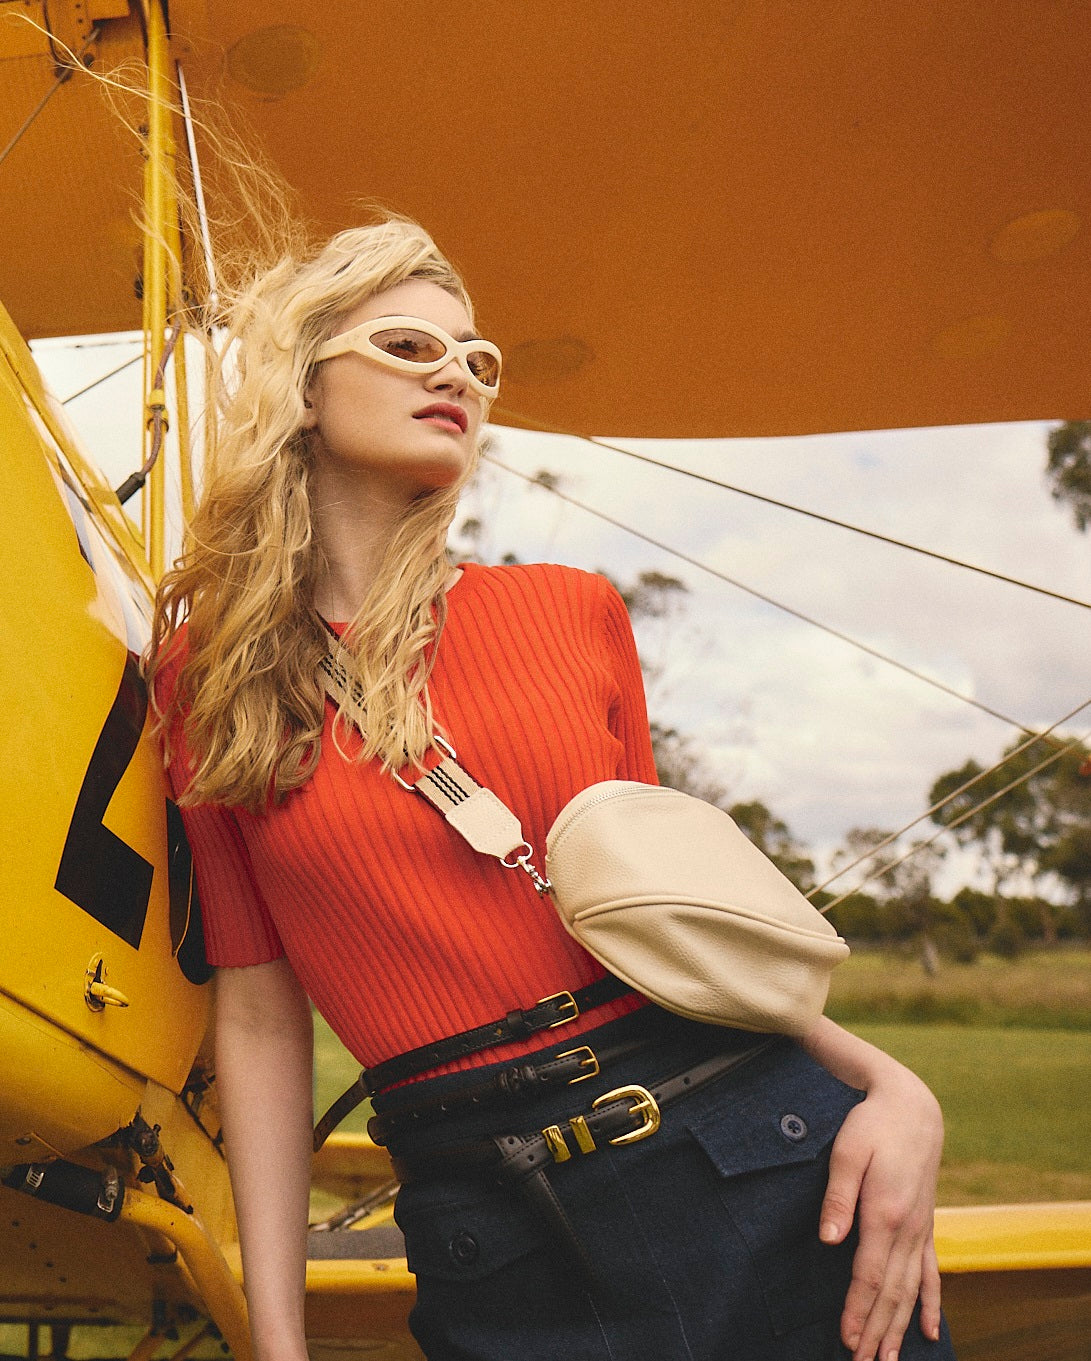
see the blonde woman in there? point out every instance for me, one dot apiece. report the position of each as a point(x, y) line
point(781, 1210)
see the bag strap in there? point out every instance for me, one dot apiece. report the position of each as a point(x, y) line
point(478, 815)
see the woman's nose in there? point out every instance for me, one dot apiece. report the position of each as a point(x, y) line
point(451, 378)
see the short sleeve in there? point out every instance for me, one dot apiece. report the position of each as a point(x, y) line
point(238, 926)
point(629, 717)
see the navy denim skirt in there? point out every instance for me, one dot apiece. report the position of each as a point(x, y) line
point(703, 1236)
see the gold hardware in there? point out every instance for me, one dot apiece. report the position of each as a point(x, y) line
point(565, 999)
point(554, 1137)
point(645, 1106)
point(591, 1063)
point(584, 1138)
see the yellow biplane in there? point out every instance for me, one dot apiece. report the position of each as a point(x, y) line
point(868, 215)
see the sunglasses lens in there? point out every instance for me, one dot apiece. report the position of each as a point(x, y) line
point(485, 367)
point(417, 347)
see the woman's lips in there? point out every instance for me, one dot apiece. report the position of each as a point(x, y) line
point(444, 416)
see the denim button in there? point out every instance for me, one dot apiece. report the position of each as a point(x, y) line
point(793, 1127)
point(464, 1249)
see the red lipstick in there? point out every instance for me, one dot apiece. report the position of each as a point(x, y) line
point(444, 413)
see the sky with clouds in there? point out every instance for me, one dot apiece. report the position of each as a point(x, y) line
point(830, 738)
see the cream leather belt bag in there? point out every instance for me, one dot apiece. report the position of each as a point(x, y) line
point(663, 889)
point(671, 896)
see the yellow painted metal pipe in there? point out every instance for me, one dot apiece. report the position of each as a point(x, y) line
point(185, 438)
point(201, 1254)
point(1029, 1237)
point(162, 266)
point(176, 303)
point(146, 1348)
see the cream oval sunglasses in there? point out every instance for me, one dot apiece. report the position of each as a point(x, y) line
point(414, 345)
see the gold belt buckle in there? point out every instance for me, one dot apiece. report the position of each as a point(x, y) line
point(645, 1105)
point(565, 1000)
point(591, 1063)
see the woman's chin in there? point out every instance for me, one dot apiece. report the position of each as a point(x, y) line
point(435, 479)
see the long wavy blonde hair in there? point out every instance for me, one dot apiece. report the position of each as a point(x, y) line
point(248, 692)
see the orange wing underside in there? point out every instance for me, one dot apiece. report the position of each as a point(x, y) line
point(734, 217)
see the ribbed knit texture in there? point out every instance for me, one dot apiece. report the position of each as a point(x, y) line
point(398, 930)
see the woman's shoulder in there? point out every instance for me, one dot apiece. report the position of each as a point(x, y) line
point(547, 581)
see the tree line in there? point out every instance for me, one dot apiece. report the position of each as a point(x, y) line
point(1028, 829)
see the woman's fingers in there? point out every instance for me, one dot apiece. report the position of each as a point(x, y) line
point(883, 1168)
point(849, 1160)
point(886, 1181)
point(930, 1292)
point(882, 1297)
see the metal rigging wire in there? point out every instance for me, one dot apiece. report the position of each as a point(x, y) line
point(64, 75)
point(134, 359)
point(956, 793)
point(810, 514)
point(767, 599)
point(963, 817)
point(1032, 737)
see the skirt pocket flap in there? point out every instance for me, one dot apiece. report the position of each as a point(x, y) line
point(774, 1124)
point(466, 1242)
point(769, 1142)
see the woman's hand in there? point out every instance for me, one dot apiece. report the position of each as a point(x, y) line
point(883, 1170)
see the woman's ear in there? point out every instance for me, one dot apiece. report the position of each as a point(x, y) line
point(310, 412)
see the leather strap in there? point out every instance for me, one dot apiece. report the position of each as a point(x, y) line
point(478, 815)
point(517, 1082)
point(516, 1157)
point(345, 1104)
point(539, 1196)
point(556, 1010)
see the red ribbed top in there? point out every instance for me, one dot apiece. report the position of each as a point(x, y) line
point(400, 932)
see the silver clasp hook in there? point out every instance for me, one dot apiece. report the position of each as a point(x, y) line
point(522, 861)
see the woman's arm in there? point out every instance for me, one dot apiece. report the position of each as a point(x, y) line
point(264, 1057)
point(883, 1171)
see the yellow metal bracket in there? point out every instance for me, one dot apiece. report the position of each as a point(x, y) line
point(201, 1254)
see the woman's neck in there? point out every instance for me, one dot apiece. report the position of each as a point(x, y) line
point(354, 520)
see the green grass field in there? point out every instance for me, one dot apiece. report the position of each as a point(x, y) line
point(1041, 990)
point(1005, 1045)
point(1016, 1103)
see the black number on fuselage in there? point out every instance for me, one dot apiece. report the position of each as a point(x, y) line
point(98, 871)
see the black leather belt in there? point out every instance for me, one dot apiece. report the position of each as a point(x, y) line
point(622, 1116)
point(515, 1082)
point(523, 1161)
point(555, 1010)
